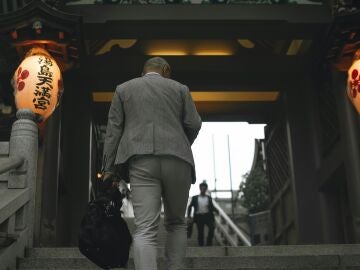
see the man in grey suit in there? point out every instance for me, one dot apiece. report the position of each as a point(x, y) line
point(152, 124)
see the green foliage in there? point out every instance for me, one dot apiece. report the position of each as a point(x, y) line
point(254, 191)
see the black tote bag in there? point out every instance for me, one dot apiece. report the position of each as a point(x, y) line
point(104, 236)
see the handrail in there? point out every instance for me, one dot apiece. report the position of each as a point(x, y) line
point(232, 225)
point(10, 163)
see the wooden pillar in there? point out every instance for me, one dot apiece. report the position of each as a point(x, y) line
point(49, 168)
point(75, 155)
point(299, 109)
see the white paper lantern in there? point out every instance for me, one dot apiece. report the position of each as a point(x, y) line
point(353, 84)
point(38, 83)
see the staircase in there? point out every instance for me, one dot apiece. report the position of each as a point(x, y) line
point(319, 257)
point(192, 242)
point(311, 257)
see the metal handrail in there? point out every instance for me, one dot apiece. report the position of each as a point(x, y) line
point(10, 163)
point(232, 225)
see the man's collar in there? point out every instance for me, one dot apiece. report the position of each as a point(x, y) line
point(152, 73)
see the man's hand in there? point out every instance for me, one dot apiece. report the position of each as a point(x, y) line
point(106, 176)
point(108, 189)
point(106, 182)
point(110, 177)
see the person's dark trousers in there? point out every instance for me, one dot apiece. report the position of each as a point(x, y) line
point(201, 220)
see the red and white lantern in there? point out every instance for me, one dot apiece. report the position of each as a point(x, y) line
point(353, 84)
point(38, 83)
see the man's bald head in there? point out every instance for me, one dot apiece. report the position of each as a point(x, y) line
point(159, 65)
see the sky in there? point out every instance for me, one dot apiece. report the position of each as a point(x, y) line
point(242, 144)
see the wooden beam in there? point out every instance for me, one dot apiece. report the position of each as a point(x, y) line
point(215, 21)
point(236, 12)
point(216, 97)
point(252, 112)
point(256, 64)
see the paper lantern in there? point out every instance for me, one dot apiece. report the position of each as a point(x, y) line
point(353, 84)
point(38, 83)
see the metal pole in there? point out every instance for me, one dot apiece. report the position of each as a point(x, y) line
point(231, 188)
point(91, 173)
point(214, 164)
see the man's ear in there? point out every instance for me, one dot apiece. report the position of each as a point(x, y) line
point(166, 71)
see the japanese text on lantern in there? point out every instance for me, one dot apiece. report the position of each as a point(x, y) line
point(44, 85)
point(355, 83)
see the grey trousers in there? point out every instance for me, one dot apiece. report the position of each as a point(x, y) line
point(153, 178)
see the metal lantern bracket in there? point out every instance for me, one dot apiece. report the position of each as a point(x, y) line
point(38, 24)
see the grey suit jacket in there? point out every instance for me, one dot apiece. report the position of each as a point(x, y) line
point(150, 115)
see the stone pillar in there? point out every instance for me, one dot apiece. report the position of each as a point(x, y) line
point(24, 143)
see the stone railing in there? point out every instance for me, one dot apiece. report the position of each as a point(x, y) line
point(18, 168)
point(226, 231)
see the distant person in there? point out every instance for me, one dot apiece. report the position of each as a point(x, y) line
point(152, 124)
point(203, 214)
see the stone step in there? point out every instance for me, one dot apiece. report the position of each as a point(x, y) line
point(75, 253)
point(224, 262)
point(300, 257)
point(192, 242)
point(218, 251)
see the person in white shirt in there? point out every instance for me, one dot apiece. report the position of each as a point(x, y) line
point(203, 214)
